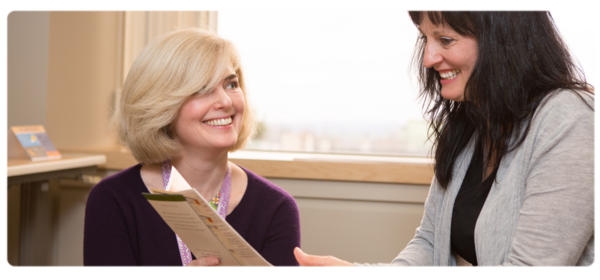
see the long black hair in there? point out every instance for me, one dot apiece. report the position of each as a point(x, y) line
point(521, 59)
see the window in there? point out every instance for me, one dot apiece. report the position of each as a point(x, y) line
point(333, 82)
point(577, 28)
point(337, 81)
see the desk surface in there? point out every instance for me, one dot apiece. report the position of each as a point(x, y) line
point(18, 166)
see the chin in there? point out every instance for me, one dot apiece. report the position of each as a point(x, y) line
point(454, 96)
point(225, 145)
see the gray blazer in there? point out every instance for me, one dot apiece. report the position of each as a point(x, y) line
point(540, 210)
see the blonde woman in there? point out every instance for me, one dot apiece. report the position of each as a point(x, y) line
point(184, 104)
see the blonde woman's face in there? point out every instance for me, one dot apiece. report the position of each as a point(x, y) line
point(212, 121)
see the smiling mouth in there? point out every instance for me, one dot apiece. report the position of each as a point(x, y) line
point(219, 122)
point(450, 75)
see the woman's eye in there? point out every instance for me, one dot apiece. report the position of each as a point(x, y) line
point(232, 85)
point(446, 40)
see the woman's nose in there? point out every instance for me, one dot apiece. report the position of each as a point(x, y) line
point(221, 99)
point(432, 56)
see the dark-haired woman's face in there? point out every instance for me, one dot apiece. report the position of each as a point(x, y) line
point(452, 55)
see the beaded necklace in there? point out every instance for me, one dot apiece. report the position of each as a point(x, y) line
point(220, 203)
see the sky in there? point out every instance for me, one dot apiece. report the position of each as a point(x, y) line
point(346, 65)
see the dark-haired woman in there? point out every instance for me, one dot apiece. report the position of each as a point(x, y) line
point(513, 124)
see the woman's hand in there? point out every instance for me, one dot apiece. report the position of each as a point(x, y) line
point(310, 260)
point(205, 261)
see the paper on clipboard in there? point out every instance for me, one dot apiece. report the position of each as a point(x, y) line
point(200, 227)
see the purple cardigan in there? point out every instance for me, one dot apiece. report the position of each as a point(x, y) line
point(122, 228)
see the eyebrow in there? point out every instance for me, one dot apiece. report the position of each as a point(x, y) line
point(230, 77)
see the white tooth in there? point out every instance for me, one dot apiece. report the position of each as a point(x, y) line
point(221, 122)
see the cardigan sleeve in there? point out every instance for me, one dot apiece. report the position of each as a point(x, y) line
point(556, 220)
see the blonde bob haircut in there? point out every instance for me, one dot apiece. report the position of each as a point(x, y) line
point(164, 76)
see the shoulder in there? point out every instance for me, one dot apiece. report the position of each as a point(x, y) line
point(566, 103)
point(264, 199)
point(260, 186)
point(564, 110)
point(120, 183)
point(563, 123)
point(117, 195)
point(263, 205)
